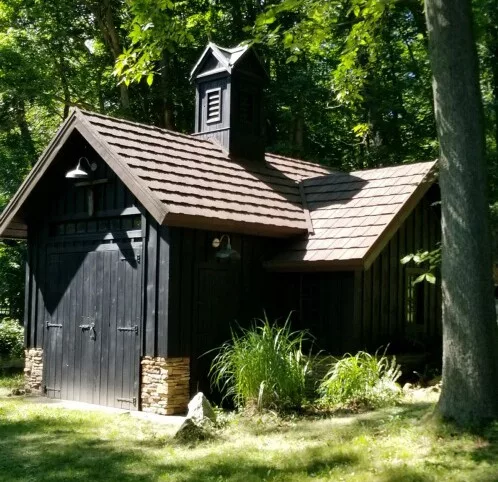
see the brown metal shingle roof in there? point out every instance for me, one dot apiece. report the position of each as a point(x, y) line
point(196, 178)
point(351, 212)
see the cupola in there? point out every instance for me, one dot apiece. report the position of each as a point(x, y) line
point(229, 100)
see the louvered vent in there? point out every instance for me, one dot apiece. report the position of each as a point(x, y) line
point(213, 105)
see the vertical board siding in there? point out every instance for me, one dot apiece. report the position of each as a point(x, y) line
point(327, 309)
point(64, 201)
point(207, 296)
point(157, 287)
point(28, 286)
point(163, 292)
point(384, 284)
point(151, 265)
point(90, 273)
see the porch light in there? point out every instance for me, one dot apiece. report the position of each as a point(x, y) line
point(79, 172)
point(225, 250)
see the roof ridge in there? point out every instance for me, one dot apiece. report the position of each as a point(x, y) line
point(143, 125)
point(207, 142)
point(294, 159)
point(394, 166)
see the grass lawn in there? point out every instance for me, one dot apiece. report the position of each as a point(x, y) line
point(41, 442)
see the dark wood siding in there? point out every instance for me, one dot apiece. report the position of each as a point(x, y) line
point(220, 130)
point(239, 128)
point(383, 287)
point(157, 285)
point(207, 295)
point(85, 267)
point(321, 303)
point(60, 214)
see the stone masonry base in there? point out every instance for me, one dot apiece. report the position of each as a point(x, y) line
point(165, 385)
point(33, 370)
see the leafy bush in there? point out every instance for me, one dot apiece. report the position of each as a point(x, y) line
point(11, 339)
point(12, 257)
point(361, 379)
point(262, 367)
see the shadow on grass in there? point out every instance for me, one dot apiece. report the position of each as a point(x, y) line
point(44, 447)
point(248, 468)
point(405, 474)
point(39, 449)
point(54, 445)
point(486, 448)
point(348, 427)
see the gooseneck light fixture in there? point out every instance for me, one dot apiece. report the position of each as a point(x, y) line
point(225, 250)
point(79, 172)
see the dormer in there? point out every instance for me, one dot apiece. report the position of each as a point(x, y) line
point(229, 100)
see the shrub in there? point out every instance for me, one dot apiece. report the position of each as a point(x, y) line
point(361, 379)
point(11, 339)
point(262, 367)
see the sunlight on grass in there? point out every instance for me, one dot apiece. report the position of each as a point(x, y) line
point(45, 443)
point(8, 383)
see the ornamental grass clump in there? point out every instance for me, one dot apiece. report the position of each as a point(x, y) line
point(361, 380)
point(262, 367)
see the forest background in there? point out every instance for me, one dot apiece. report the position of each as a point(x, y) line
point(350, 79)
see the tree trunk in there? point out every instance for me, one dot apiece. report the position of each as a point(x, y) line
point(26, 136)
point(104, 16)
point(168, 108)
point(65, 84)
point(470, 331)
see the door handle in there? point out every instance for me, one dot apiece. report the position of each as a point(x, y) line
point(93, 333)
point(91, 327)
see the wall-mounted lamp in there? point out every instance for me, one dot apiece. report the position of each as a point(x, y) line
point(79, 172)
point(225, 250)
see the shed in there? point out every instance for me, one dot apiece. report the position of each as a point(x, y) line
point(141, 258)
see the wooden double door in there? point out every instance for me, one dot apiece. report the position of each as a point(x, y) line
point(93, 299)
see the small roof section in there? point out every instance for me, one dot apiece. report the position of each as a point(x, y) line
point(355, 214)
point(227, 59)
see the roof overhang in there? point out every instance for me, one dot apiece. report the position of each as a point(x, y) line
point(216, 224)
point(315, 266)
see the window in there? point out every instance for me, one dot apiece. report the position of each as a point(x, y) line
point(213, 105)
point(415, 299)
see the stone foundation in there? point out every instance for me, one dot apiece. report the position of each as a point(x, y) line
point(33, 369)
point(165, 385)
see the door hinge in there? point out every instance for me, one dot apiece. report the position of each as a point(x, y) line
point(129, 328)
point(133, 400)
point(48, 389)
point(137, 258)
point(53, 325)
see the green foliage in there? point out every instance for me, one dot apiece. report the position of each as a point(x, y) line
point(157, 28)
point(11, 339)
point(373, 55)
point(430, 259)
point(262, 367)
point(361, 380)
point(12, 278)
